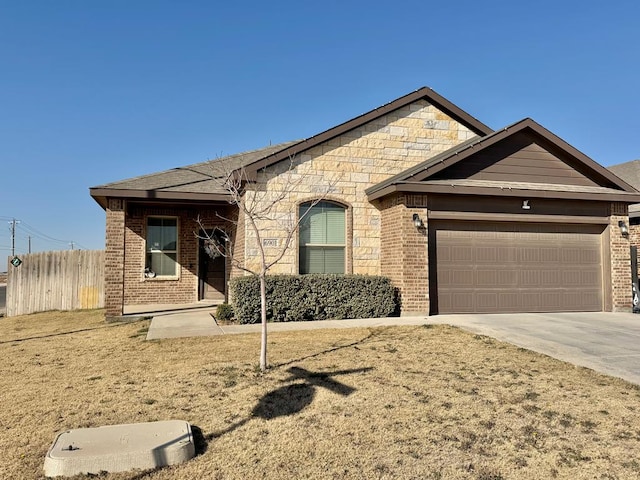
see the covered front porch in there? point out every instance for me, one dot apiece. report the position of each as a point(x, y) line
point(156, 256)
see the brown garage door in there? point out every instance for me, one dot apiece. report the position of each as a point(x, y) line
point(506, 267)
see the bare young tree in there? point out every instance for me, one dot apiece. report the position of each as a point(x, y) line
point(259, 205)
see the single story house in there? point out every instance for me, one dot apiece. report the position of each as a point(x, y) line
point(462, 218)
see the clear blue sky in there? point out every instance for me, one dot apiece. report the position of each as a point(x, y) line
point(102, 90)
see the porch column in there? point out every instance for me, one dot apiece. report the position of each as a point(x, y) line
point(114, 258)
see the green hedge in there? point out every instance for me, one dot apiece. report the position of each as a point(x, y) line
point(292, 298)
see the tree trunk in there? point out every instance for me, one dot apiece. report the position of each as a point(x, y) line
point(263, 315)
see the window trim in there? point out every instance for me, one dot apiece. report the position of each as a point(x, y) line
point(157, 277)
point(348, 217)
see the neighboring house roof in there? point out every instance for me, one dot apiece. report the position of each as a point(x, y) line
point(630, 173)
point(432, 175)
point(200, 181)
point(195, 182)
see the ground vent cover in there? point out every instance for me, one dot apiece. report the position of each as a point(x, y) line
point(120, 448)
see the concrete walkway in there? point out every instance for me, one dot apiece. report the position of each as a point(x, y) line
point(200, 323)
point(605, 342)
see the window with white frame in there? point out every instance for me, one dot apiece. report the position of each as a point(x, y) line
point(322, 238)
point(162, 246)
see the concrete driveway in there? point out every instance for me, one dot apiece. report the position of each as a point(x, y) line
point(606, 342)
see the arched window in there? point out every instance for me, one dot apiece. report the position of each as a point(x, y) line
point(322, 238)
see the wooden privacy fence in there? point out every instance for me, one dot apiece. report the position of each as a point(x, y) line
point(63, 280)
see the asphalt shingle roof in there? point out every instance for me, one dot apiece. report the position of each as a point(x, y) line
point(201, 177)
point(629, 172)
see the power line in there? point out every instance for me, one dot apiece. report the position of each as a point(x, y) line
point(33, 232)
point(43, 236)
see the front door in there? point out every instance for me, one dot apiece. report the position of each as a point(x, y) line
point(212, 274)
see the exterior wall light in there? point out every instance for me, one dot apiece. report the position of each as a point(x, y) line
point(624, 229)
point(525, 205)
point(417, 221)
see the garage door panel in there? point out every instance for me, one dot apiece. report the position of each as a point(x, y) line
point(487, 301)
point(484, 277)
point(517, 267)
point(461, 254)
point(550, 255)
point(507, 278)
point(458, 277)
point(530, 255)
point(535, 278)
point(486, 254)
point(491, 277)
point(550, 278)
point(573, 255)
point(553, 299)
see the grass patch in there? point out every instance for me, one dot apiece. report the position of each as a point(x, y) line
point(405, 402)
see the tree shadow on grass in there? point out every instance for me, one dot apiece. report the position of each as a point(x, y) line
point(70, 332)
point(287, 400)
point(329, 350)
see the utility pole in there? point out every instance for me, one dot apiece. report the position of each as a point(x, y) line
point(71, 244)
point(13, 223)
point(29, 243)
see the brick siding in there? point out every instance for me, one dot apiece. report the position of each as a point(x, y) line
point(125, 283)
point(114, 257)
point(620, 248)
point(404, 252)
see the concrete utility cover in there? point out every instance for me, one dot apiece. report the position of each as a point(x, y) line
point(119, 448)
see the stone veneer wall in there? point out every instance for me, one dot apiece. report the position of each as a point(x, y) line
point(620, 260)
point(342, 169)
point(239, 240)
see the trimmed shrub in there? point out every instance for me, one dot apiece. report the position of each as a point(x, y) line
point(224, 312)
point(292, 298)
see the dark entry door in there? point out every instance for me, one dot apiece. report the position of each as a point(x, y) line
point(212, 273)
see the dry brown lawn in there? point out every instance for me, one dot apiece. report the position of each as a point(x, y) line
point(401, 403)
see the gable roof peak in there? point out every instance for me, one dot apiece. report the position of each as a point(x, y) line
point(427, 170)
point(423, 93)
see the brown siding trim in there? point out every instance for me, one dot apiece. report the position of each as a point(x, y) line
point(101, 195)
point(511, 217)
point(417, 187)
